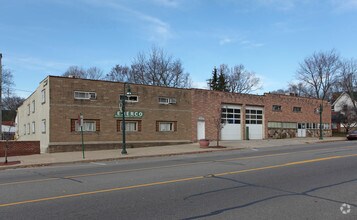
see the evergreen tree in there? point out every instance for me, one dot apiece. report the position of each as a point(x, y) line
point(222, 81)
point(213, 82)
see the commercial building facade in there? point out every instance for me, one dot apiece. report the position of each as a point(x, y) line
point(157, 115)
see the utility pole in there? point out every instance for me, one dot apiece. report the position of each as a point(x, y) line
point(1, 97)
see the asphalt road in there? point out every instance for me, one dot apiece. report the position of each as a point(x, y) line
point(289, 182)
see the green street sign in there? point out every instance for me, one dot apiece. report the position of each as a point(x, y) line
point(129, 114)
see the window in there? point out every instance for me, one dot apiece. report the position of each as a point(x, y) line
point(24, 129)
point(289, 125)
point(43, 126)
point(33, 127)
point(166, 126)
point(43, 96)
point(165, 101)
point(296, 109)
point(130, 125)
point(85, 95)
point(274, 124)
point(253, 116)
point(33, 106)
point(129, 98)
point(277, 108)
point(28, 109)
point(230, 116)
point(89, 125)
point(28, 128)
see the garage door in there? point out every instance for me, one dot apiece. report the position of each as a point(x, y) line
point(254, 121)
point(232, 124)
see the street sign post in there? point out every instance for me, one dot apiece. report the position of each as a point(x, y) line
point(80, 123)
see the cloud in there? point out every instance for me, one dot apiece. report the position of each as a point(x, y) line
point(283, 5)
point(158, 29)
point(36, 64)
point(251, 44)
point(344, 5)
point(226, 40)
point(167, 3)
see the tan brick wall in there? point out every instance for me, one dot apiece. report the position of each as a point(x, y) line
point(64, 107)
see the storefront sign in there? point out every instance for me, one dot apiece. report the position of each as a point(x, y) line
point(129, 114)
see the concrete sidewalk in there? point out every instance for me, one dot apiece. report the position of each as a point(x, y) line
point(103, 155)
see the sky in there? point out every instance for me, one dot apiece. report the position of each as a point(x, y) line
point(269, 37)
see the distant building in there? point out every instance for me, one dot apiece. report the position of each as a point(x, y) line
point(343, 115)
point(158, 115)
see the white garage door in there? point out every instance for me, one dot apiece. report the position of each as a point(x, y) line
point(232, 123)
point(254, 121)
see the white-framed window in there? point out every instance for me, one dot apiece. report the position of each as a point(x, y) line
point(129, 98)
point(166, 101)
point(33, 127)
point(43, 96)
point(43, 126)
point(28, 128)
point(166, 126)
point(130, 126)
point(24, 129)
point(89, 125)
point(85, 95)
point(33, 106)
point(28, 109)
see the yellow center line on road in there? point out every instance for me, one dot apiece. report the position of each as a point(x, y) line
point(134, 170)
point(157, 167)
point(173, 181)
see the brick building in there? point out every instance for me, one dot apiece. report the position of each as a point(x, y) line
point(158, 115)
point(244, 116)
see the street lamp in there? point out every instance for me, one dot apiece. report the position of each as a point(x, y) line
point(320, 111)
point(123, 151)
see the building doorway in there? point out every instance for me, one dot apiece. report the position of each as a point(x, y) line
point(301, 130)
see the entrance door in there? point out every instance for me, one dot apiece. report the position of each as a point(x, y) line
point(200, 129)
point(301, 130)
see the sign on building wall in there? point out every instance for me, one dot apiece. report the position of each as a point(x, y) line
point(129, 114)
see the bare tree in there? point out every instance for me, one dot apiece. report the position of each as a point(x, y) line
point(94, 73)
point(7, 82)
point(119, 74)
point(79, 72)
point(348, 79)
point(347, 117)
point(241, 80)
point(318, 73)
point(75, 71)
point(12, 102)
point(158, 68)
point(218, 124)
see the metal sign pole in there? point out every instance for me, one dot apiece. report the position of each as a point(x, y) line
point(81, 125)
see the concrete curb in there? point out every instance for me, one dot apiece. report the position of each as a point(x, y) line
point(111, 159)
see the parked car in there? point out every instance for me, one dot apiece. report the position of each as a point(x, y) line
point(352, 135)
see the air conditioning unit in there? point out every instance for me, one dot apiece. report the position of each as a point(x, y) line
point(172, 101)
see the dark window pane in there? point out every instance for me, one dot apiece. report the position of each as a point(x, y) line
point(259, 112)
